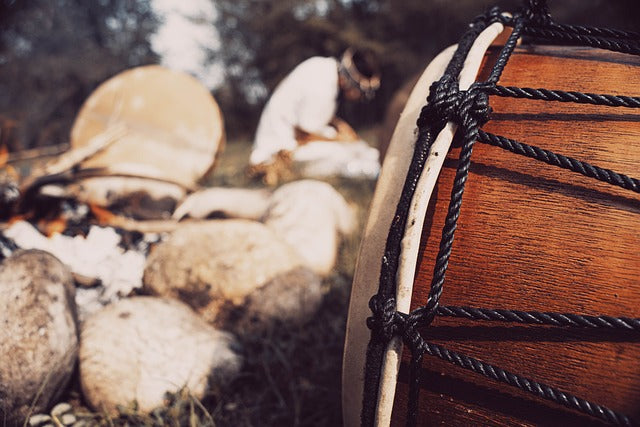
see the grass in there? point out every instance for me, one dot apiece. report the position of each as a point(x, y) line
point(292, 373)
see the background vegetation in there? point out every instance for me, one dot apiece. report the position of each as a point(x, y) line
point(53, 53)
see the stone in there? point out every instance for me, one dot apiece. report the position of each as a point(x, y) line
point(38, 335)
point(61, 409)
point(294, 296)
point(98, 256)
point(138, 349)
point(311, 216)
point(39, 420)
point(220, 266)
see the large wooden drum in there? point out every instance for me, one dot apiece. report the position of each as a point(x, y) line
point(531, 237)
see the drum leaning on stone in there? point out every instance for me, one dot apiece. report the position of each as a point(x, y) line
point(174, 131)
point(530, 237)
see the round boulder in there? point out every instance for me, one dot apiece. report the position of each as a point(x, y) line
point(38, 335)
point(291, 297)
point(311, 216)
point(218, 267)
point(140, 348)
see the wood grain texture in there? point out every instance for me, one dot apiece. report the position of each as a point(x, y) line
point(536, 237)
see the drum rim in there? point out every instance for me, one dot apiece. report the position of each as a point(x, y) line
point(353, 369)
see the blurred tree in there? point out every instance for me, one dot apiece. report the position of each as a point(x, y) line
point(53, 53)
point(263, 40)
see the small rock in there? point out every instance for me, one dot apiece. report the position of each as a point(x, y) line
point(60, 409)
point(293, 296)
point(217, 264)
point(98, 255)
point(140, 348)
point(68, 419)
point(310, 216)
point(39, 420)
point(38, 336)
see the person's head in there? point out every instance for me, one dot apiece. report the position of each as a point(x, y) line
point(359, 74)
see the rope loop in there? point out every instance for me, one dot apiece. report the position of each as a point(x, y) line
point(493, 14)
point(447, 102)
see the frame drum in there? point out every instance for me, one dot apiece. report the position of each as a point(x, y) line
point(531, 237)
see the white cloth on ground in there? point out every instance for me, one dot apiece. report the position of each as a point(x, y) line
point(319, 159)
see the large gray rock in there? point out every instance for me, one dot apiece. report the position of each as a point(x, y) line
point(291, 297)
point(140, 348)
point(38, 336)
point(219, 266)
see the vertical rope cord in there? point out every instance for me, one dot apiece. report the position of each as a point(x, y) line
point(472, 112)
point(381, 323)
point(470, 124)
point(414, 385)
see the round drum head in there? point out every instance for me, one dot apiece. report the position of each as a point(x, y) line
point(174, 126)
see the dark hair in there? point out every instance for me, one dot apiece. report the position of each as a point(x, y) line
point(366, 62)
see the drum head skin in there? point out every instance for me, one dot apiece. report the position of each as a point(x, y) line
point(174, 126)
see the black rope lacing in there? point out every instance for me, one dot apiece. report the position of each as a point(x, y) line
point(470, 109)
point(561, 161)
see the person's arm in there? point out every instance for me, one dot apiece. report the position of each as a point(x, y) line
point(344, 130)
point(343, 133)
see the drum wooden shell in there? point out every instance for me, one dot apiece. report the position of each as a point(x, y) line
point(538, 238)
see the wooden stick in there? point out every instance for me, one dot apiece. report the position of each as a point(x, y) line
point(39, 152)
point(77, 155)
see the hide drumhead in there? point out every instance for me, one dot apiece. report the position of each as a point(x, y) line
point(174, 126)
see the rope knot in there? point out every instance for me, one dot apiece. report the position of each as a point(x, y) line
point(475, 100)
point(447, 102)
point(385, 320)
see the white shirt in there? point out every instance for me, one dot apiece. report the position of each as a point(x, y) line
point(306, 98)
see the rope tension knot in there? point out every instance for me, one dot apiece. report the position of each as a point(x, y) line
point(464, 107)
point(385, 320)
